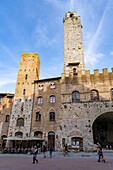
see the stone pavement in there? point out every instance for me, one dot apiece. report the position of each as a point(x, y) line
point(75, 161)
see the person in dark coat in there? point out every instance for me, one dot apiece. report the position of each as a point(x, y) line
point(35, 155)
point(100, 153)
point(44, 151)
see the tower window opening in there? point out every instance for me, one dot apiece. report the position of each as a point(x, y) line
point(71, 15)
point(7, 118)
point(74, 71)
point(26, 76)
point(24, 92)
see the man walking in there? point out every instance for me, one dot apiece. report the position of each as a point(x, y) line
point(35, 155)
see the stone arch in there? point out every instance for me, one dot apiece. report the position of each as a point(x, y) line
point(19, 134)
point(103, 128)
point(76, 133)
point(38, 134)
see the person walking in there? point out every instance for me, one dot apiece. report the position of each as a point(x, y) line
point(100, 153)
point(35, 155)
point(44, 150)
point(66, 150)
point(51, 150)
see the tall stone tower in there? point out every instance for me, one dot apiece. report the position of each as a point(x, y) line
point(21, 115)
point(73, 45)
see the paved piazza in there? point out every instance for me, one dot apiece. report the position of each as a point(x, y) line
point(75, 161)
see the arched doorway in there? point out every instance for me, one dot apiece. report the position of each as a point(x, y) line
point(103, 129)
point(51, 139)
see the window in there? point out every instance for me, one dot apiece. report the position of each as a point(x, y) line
point(75, 96)
point(20, 122)
point(10, 100)
point(74, 71)
point(38, 116)
point(111, 94)
point(71, 15)
point(26, 76)
point(7, 118)
point(94, 95)
point(24, 92)
point(22, 108)
point(38, 134)
point(0, 100)
point(19, 134)
point(52, 86)
point(41, 87)
point(52, 116)
point(52, 99)
point(40, 100)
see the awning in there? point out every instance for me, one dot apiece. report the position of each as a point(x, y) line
point(24, 139)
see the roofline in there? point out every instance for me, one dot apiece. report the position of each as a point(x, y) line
point(49, 79)
point(6, 94)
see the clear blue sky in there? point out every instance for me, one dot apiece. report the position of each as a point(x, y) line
point(37, 26)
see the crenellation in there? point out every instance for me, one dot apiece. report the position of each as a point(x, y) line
point(105, 71)
point(96, 72)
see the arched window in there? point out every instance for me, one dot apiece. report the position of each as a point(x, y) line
point(75, 96)
point(52, 99)
point(94, 95)
point(26, 76)
point(52, 116)
point(20, 122)
point(19, 134)
point(38, 134)
point(111, 94)
point(40, 100)
point(38, 116)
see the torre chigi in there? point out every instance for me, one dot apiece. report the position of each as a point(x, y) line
point(74, 109)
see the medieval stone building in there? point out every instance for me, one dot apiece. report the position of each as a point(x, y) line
point(75, 108)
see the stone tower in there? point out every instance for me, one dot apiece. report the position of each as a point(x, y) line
point(73, 45)
point(21, 115)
